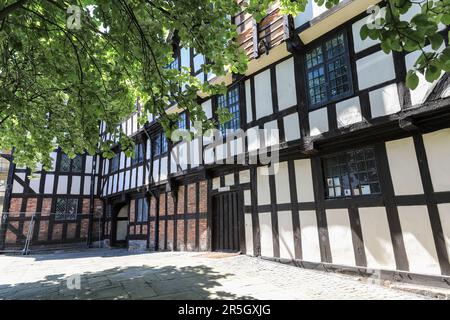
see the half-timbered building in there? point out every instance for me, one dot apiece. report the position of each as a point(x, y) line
point(361, 184)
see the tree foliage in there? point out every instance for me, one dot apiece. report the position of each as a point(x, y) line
point(58, 82)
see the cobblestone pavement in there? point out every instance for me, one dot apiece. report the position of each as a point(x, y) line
point(117, 274)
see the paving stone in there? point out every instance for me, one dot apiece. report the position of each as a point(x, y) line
point(117, 274)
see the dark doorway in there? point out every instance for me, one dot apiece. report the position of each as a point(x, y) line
point(227, 222)
point(120, 226)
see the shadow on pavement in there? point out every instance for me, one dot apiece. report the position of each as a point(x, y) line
point(166, 283)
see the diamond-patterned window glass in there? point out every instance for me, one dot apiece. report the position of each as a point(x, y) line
point(328, 71)
point(77, 163)
point(72, 206)
point(64, 163)
point(352, 173)
point(231, 102)
point(60, 209)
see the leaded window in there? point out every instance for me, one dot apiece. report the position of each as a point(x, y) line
point(328, 71)
point(230, 101)
point(159, 145)
point(182, 121)
point(64, 164)
point(156, 146)
point(164, 145)
point(77, 164)
point(352, 173)
point(138, 154)
point(141, 210)
point(66, 209)
point(68, 165)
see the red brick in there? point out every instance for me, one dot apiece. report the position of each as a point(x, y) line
point(57, 231)
point(180, 236)
point(152, 235)
point(152, 207)
point(84, 228)
point(46, 207)
point(170, 204)
point(192, 198)
point(190, 246)
point(162, 204)
point(15, 206)
point(180, 209)
point(31, 206)
point(71, 231)
point(170, 234)
point(86, 206)
point(203, 234)
point(11, 236)
point(203, 205)
point(43, 231)
point(162, 235)
point(132, 211)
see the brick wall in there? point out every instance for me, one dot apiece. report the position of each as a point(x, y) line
point(183, 218)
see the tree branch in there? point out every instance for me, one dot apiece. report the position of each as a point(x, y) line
point(12, 7)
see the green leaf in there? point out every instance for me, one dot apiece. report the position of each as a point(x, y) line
point(412, 80)
point(436, 41)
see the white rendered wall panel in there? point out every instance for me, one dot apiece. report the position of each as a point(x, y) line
point(304, 180)
point(375, 69)
point(286, 91)
point(377, 238)
point(340, 235)
point(263, 94)
point(418, 239)
point(309, 236)
point(404, 167)
point(249, 234)
point(437, 147)
point(286, 235)
point(263, 185)
point(282, 183)
point(265, 228)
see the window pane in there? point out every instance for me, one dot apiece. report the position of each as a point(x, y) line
point(328, 71)
point(64, 163)
point(182, 121)
point(144, 210)
point(357, 176)
point(231, 102)
point(156, 145)
point(335, 47)
point(138, 154)
point(72, 205)
point(60, 208)
point(164, 145)
point(77, 164)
